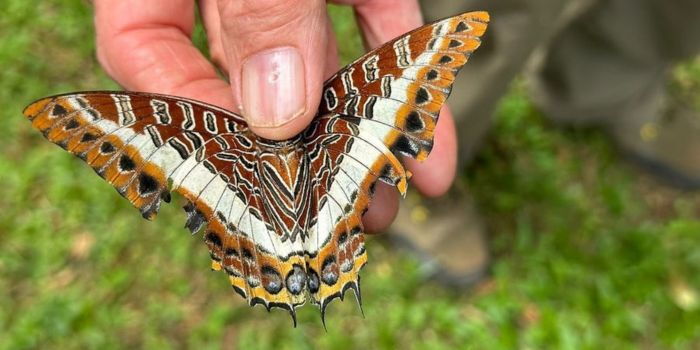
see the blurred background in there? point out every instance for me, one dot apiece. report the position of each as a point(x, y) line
point(589, 252)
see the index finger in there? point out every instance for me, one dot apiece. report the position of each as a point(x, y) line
point(146, 46)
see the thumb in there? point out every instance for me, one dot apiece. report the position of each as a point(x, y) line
point(275, 51)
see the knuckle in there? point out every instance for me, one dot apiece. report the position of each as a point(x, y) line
point(266, 11)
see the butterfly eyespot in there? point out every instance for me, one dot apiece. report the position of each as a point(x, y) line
point(296, 280)
point(272, 280)
point(346, 265)
point(329, 271)
point(455, 43)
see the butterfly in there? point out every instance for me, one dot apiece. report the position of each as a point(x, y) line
point(282, 219)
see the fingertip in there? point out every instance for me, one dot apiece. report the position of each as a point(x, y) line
point(276, 51)
point(285, 131)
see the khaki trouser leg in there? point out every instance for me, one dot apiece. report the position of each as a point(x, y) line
point(517, 28)
point(610, 65)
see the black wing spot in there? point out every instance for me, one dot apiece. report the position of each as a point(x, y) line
point(445, 59)
point(455, 43)
point(58, 110)
point(195, 218)
point(404, 145)
point(413, 122)
point(213, 239)
point(87, 137)
point(432, 75)
point(107, 147)
point(231, 253)
point(461, 27)
point(422, 96)
point(247, 254)
point(147, 184)
point(372, 189)
point(72, 124)
point(126, 163)
point(221, 216)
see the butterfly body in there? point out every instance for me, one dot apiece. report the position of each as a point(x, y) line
point(281, 218)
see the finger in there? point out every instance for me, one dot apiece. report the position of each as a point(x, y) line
point(150, 49)
point(382, 210)
point(383, 20)
point(209, 11)
point(275, 52)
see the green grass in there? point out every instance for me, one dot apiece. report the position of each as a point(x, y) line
point(590, 253)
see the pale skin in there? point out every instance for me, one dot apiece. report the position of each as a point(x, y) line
point(145, 45)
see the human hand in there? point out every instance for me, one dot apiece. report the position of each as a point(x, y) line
point(276, 53)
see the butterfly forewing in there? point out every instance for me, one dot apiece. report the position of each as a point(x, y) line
point(282, 219)
point(383, 105)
